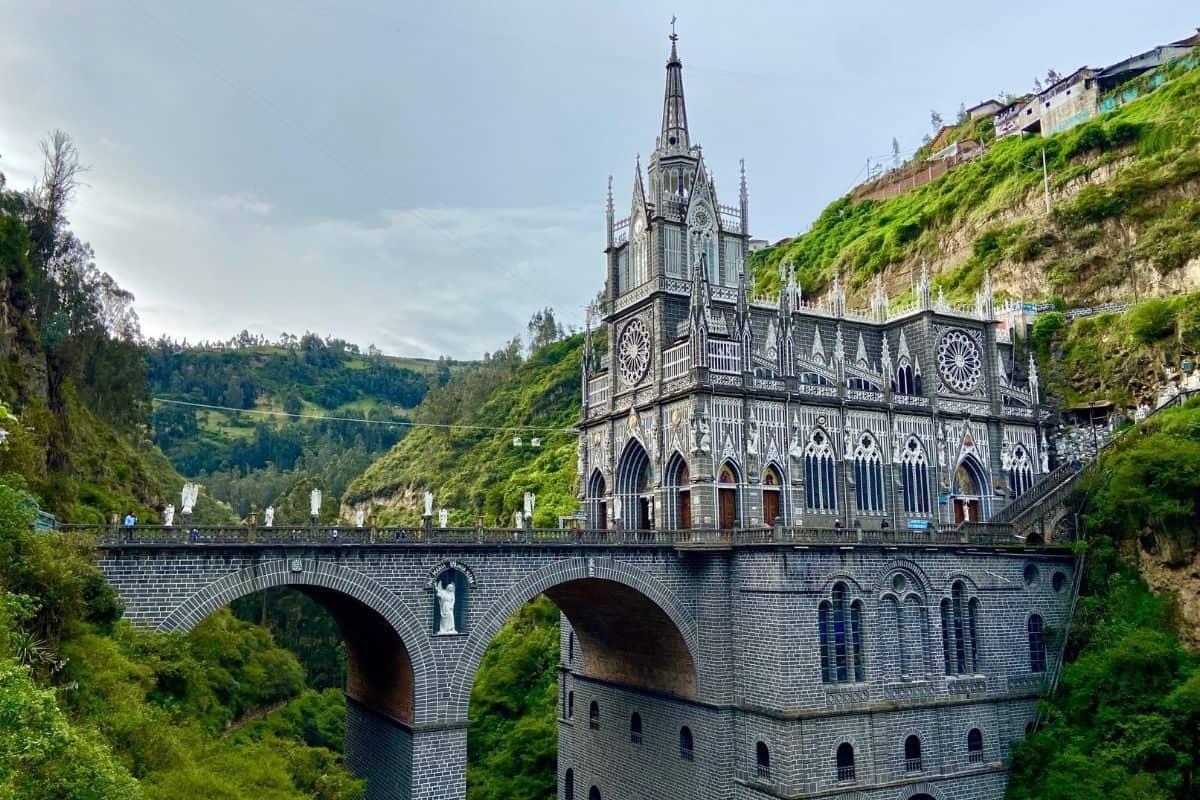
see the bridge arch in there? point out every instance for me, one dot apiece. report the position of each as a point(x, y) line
point(664, 651)
point(401, 681)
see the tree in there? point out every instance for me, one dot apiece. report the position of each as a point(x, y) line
point(544, 329)
point(962, 113)
point(895, 152)
point(1037, 85)
point(935, 120)
point(1052, 77)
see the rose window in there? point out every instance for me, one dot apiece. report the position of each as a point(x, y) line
point(633, 352)
point(959, 361)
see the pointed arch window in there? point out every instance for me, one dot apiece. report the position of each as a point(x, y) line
point(904, 382)
point(914, 477)
point(868, 476)
point(839, 635)
point(820, 482)
point(1020, 473)
point(569, 785)
point(635, 728)
point(960, 641)
point(1037, 643)
point(594, 716)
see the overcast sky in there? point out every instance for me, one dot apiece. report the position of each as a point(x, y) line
point(424, 176)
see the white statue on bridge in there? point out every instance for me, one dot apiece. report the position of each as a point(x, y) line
point(188, 496)
point(169, 515)
point(445, 600)
point(359, 517)
point(269, 516)
point(315, 502)
point(429, 504)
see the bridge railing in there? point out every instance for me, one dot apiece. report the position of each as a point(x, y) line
point(983, 534)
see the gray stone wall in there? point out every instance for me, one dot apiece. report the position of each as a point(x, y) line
point(747, 618)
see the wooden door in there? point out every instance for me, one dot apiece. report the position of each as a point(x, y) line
point(770, 507)
point(727, 514)
point(684, 516)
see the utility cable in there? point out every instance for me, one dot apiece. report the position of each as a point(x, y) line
point(385, 422)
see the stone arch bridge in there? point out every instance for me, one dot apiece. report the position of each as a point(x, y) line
point(657, 616)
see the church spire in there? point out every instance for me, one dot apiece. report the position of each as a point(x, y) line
point(674, 122)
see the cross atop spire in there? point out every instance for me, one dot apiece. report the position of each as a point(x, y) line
point(674, 122)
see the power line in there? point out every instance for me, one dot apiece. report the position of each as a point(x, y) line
point(385, 422)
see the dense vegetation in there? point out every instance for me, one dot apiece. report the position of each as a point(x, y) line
point(1120, 357)
point(1126, 721)
point(991, 208)
point(471, 463)
point(253, 460)
point(89, 707)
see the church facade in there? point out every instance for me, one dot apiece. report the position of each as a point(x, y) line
point(714, 409)
point(838, 667)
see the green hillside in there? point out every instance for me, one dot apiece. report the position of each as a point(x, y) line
point(1124, 221)
point(464, 451)
point(91, 709)
point(253, 421)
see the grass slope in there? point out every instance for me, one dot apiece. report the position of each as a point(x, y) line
point(1138, 167)
point(474, 469)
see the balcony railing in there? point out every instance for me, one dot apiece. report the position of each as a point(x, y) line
point(725, 357)
point(912, 764)
point(845, 774)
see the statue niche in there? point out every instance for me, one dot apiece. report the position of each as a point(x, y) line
point(450, 593)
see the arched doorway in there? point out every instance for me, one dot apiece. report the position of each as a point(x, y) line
point(597, 509)
point(634, 489)
point(679, 493)
point(968, 491)
point(728, 507)
point(772, 495)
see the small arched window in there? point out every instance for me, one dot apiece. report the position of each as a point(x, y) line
point(1037, 644)
point(974, 746)
point(762, 759)
point(845, 762)
point(593, 793)
point(635, 728)
point(912, 754)
point(569, 785)
point(686, 745)
point(594, 716)
point(571, 705)
point(820, 482)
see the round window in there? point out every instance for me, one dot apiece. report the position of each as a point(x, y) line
point(899, 582)
point(1031, 574)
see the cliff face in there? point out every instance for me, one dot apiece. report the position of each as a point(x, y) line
point(1122, 224)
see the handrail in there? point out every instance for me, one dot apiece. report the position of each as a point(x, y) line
point(966, 534)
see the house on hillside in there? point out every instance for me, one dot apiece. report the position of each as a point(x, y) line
point(988, 108)
point(1078, 97)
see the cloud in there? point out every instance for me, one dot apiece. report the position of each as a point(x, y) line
point(244, 204)
point(416, 281)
